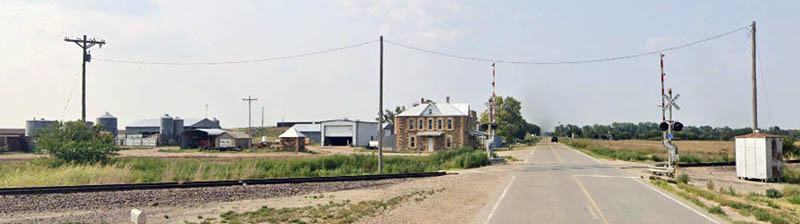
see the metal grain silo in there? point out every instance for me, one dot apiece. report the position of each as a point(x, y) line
point(178, 128)
point(108, 123)
point(216, 122)
point(31, 126)
point(167, 129)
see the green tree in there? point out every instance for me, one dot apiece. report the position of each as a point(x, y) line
point(76, 142)
point(389, 115)
point(512, 127)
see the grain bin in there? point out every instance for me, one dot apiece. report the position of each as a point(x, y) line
point(759, 157)
point(108, 123)
point(167, 129)
point(34, 125)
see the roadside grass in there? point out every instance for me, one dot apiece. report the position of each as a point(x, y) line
point(641, 152)
point(791, 175)
point(761, 207)
point(44, 172)
point(333, 212)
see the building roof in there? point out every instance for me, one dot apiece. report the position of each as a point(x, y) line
point(213, 131)
point(345, 119)
point(757, 135)
point(292, 133)
point(12, 131)
point(238, 134)
point(437, 109)
point(107, 115)
point(307, 127)
point(187, 122)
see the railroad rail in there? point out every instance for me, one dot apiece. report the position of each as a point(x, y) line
point(196, 184)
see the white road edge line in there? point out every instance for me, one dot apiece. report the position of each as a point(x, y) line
point(584, 154)
point(503, 195)
point(606, 176)
point(677, 201)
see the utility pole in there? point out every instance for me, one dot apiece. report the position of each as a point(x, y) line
point(380, 113)
point(491, 115)
point(755, 97)
point(85, 44)
point(262, 121)
point(206, 110)
point(663, 105)
point(249, 116)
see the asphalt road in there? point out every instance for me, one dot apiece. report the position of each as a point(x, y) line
point(557, 184)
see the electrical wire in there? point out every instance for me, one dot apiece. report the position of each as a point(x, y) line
point(239, 61)
point(566, 62)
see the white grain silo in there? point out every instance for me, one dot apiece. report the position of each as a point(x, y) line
point(759, 156)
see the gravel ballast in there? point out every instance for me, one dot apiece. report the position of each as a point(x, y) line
point(49, 208)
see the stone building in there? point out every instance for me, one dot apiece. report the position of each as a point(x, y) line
point(436, 126)
point(292, 140)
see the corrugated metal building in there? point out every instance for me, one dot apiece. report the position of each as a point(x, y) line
point(13, 139)
point(342, 132)
point(312, 132)
point(168, 130)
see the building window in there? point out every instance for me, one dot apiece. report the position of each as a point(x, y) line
point(439, 124)
point(420, 124)
point(430, 124)
point(410, 124)
point(448, 142)
point(450, 123)
point(411, 142)
point(430, 111)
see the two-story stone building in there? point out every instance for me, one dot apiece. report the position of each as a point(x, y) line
point(436, 126)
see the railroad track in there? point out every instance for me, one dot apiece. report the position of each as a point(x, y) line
point(196, 184)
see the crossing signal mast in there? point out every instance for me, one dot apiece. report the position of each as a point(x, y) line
point(667, 126)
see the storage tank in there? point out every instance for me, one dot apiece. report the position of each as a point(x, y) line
point(178, 128)
point(167, 129)
point(31, 126)
point(108, 122)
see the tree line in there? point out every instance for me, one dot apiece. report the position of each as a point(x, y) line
point(650, 131)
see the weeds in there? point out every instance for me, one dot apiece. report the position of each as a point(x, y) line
point(710, 185)
point(773, 193)
point(43, 172)
point(791, 175)
point(683, 178)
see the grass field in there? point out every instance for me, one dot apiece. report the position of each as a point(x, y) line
point(773, 206)
point(640, 150)
point(45, 172)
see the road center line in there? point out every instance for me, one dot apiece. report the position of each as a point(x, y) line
point(554, 153)
point(503, 195)
point(602, 217)
point(530, 155)
point(677, 201)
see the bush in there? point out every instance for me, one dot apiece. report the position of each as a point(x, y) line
point(710, 185)
point(773, 193)
point(683, 178)
point(789, 149)
point(791, 175)
point(716, 210)
point(75, 142)
point(656, 158)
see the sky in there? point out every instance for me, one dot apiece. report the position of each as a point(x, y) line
point(40, 73)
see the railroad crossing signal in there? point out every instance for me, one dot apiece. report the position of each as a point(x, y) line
point(671, 101)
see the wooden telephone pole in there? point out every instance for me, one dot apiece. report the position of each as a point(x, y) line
point(85, 44)
point(249, 114)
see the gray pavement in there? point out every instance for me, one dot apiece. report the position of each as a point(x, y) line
point(561, 185)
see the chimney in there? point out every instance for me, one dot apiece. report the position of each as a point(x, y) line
point(421, 100)
point(448, 99)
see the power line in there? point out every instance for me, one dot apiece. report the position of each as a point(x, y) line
point(567, 62)
point(240, 61)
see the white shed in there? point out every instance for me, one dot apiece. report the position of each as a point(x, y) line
point(759, 157)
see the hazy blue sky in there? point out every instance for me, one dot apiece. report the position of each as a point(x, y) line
point(40, 73)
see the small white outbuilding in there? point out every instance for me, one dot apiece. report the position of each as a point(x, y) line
point(759, 156)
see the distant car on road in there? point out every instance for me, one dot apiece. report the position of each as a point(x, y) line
point(554, 139)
